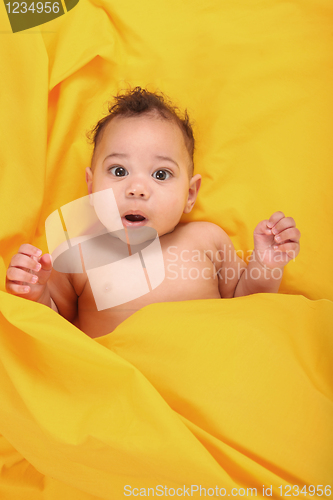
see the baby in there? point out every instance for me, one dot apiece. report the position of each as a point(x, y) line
point(143, 150)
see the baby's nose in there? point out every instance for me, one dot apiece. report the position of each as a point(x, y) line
point(137, 190)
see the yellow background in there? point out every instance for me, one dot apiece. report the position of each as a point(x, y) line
point(235, 392)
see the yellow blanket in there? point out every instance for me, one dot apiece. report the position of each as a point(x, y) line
point(227, 395)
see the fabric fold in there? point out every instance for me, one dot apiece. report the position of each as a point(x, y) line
point(233, 393)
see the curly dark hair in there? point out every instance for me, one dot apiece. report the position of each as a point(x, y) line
point(138, 102)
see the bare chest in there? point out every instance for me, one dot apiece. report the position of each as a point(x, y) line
point(188, 274)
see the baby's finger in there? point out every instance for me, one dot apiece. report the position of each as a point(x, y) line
point(25, 262)
point(262, 228)
point(46, 262)
point(290, 248)
point(290, 234)
point(19, 275)
point(275, 218)
point(45, 272)
point(285, 223)
point(30, 250)
point(17, 289)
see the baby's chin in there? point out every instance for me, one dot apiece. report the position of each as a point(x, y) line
point(135, 235)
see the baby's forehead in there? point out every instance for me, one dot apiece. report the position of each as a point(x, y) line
point(169, 132)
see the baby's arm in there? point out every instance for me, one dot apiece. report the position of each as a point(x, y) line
point(228, 265)
point(258, 279)
point(276, 242)
point(30, 275)
point(236, 279)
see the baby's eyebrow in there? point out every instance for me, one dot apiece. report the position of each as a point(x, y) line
point(160, 157)
point(121, 155)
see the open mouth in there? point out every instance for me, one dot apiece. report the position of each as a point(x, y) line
point(135, 218)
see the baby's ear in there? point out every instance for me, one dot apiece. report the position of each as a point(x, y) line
point(89, 178)
point(193, 190)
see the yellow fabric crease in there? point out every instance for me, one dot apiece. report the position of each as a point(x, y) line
point(243, 403)
point(234, 393)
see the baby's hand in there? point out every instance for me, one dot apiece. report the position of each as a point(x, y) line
point(28, 273)
point(276, 241)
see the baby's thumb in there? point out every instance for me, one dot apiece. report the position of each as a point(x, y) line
point(46, 262)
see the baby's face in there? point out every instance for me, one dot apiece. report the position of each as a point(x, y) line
point(145, 161)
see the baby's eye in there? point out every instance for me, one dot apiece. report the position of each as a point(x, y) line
point(161, 175)
point(118, 171)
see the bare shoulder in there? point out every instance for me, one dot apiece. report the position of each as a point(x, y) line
point(205, 232)
point(218, 247)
